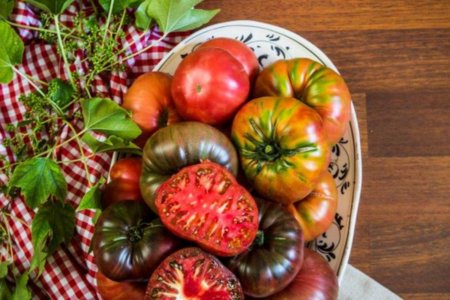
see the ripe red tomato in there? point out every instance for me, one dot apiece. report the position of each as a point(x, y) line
point(203, 203)
point(111, 290)
point(316, 212)
point(150, 100)
point(192, 274)
point(127, 168)
point(316, 280)
point(124, 184)
point(209, 86)
point(240, 51)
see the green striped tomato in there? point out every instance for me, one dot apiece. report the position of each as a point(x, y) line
point(282, 147)
point(315, 85)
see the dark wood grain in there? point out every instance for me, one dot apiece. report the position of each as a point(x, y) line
point(395, 57)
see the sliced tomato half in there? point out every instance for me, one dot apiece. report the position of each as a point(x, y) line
point(192, 274)
point(205, 204)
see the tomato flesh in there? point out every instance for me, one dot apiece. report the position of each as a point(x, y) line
point(204, 203)
point(192, 274)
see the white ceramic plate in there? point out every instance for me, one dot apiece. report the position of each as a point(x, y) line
point(271, 43)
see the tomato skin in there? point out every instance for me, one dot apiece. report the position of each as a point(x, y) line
point(316, 212)
point(315, 281)
point(192, 274)
point(111, 290)
point(204, 203)
point(282, 147)
point(129, 242)
point(127, 168)
point(240, 51)
point(149, 99)
point(276, 255)
point(314, 84)
point(177, 146)
point(209, 86)
point(120, 190)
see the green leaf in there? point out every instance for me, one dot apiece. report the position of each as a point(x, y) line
point(143, 21)
point(61, 93)
point(5, 291)
point(112, 143)
point(39, 178)
point(91, 199)
point(11, 52)
point(22, 292)
point(6, 8)
point(3, 269)
point(177, 15)
point(39, 259)
point(105, 116)
point(119, 5)
point(52, 6)
point(53, 224)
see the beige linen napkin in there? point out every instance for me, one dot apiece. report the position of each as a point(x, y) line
point(358, 286)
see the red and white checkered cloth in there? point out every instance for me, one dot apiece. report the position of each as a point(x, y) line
point(70, 273)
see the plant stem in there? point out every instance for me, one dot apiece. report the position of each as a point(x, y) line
point(28, 79)
point(94, 6)
point(124, 49)
point(83, 156)
point(108, 20)
point(40, 29)
point(6, 229)
point(74, 160)
point(62, 144)
point(63, 51)
point(17, 218)
point(134, 54)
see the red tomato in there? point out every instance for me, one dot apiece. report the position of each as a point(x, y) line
point(240, 51)
point(111, 290)
point(209, 86)
point(203, 203)
point(316, 212)
point(316, 280)
point(192, 274)
point(127, 168)
point(124, 184)
point(150, 101)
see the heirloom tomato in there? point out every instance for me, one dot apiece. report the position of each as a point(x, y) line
point(192, 274)
point(240, 51)
point(124, 184)
point(316, 212)
point(282, 146)
point(203, 203)
point(209, 86)
point(180, 145)
point(316, 280)
point(315, 85)
point(111, 290)
point(130, 242)
point(149, 99)
point(276, 255)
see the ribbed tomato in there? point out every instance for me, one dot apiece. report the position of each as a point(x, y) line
point(111, 290)
point(130, 242)
point(276, 255)
point(283, 148)
point(315, 85)
point(316, 212)
point(180, 145)
point(240, 51)
point(315, 281)
point(149, 99)
point(203, 203)
point(192, 274)
point(209, 86)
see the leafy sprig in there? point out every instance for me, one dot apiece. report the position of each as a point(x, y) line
point(62, 102)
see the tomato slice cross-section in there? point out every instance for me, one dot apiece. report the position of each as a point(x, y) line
point(205, 204)
point(192, 274)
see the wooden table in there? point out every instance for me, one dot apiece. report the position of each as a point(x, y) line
point(395, 57)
